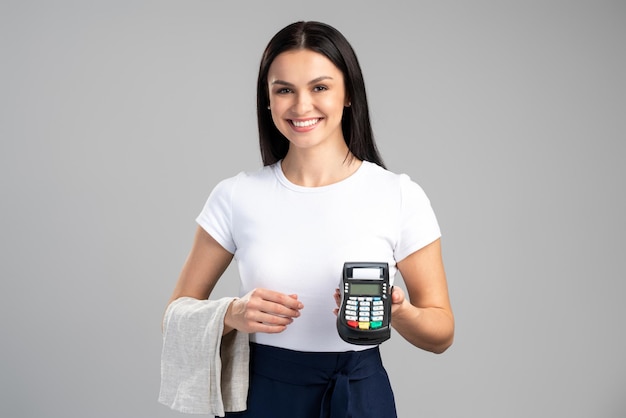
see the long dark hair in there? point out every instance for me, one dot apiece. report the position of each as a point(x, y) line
point(328, 41)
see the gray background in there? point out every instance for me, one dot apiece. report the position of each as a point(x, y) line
point(117, 118)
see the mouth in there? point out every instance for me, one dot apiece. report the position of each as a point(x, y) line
point(304, 124)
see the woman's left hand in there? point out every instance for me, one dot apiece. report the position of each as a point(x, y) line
point(397, 299)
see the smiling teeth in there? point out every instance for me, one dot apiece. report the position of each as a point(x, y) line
point(304, 123)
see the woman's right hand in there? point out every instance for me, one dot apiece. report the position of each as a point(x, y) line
point(262, 310)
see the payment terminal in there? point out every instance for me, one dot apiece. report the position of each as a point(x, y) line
point(364, 316)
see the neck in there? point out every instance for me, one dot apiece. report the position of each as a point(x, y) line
point(315, 169)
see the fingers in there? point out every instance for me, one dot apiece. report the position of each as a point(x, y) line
point(337, 297)
point(397, 295)
point(264, 310)
point(398, 299)
point(276, 304)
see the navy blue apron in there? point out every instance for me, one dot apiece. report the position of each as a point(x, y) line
point(294, 384)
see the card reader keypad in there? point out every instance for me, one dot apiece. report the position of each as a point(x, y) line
point(364, 312)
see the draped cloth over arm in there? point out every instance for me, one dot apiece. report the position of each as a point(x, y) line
point(201, 371)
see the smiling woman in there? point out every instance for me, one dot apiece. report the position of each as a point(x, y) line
point(307, 100)
point(292, 226)
point(333, 46)
point(314, 93)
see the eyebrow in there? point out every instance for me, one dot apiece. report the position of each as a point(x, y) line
point(315, 80)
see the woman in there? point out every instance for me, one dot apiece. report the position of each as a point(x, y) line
point(322, 198)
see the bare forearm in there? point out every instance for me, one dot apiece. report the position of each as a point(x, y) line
point(431, 329)
point(424, 317)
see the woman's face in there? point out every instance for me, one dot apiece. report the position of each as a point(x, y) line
point(307, 98)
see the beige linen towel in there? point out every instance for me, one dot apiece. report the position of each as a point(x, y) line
point(201, 371)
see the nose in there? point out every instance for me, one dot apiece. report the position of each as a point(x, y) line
point(303, 104)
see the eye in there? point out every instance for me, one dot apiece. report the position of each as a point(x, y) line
point(283, 90)
point(320, 88)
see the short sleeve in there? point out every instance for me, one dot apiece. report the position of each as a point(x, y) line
point(418, 223)
point(216, 216)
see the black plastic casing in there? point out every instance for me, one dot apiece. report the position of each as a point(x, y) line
point(365, 336)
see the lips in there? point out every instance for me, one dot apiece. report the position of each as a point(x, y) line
point(304, 124)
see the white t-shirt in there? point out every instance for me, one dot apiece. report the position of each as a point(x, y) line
point(295, 239)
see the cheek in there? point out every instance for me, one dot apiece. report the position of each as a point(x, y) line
point(280, 106)
point(334, 101)
point(277, 120)
point(334, 107)
point(280, 123)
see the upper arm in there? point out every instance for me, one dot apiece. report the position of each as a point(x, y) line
point(425, 279)
point(205, 264)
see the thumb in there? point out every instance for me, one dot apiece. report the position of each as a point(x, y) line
point(397, 295)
